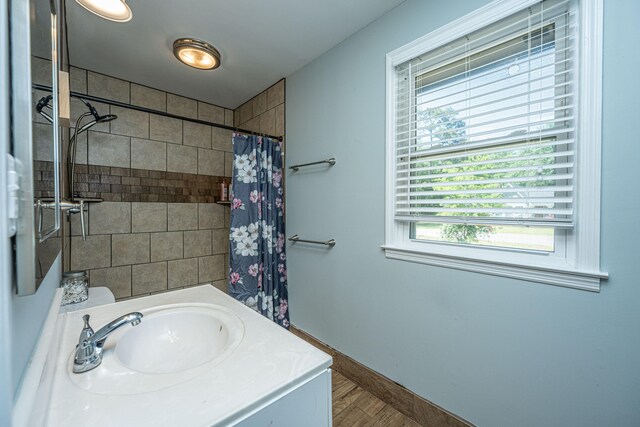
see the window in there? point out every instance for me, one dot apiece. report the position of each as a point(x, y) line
point(493, 143)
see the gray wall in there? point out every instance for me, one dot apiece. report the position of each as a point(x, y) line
point(496, 351)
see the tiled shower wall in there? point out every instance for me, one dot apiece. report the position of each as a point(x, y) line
point(158, 228)
point(137, 248)
point(265, 112)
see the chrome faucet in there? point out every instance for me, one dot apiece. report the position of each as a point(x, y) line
point(90, 345)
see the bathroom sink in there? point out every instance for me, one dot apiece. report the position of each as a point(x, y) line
point(173, 341)
point(172, 344)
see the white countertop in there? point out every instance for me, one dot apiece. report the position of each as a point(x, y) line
point(268, 361)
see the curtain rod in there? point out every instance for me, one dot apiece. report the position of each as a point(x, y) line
point(160, 113)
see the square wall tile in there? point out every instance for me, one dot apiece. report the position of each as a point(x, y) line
point(43, 141)
point(182, 216)
point(210, 215)
point(78, 80)
point(253, 125)
point(210, 162)
point(165, 129)
point(245, 112)
point(147, 154)
point(109, 150)
point(222, 139)
point(81, 149)
point(149, 98)
point(181, 158)
point(228, 164)
point(130, 122)
point(275, 94)
point(268, 122)
point(181, 106)
point(110, 218)
point(147, 278)
point(41, 71)
point(196, 135)
point(107, 87)
point(166, 246)
point(280, 130)
point(220, 241)
point(95, 252)
point(197, 243)
point(183, 272)
point(129, 249)
point(236, 117)
point(148, 217)
point(260, 103)
point(228, 117)
point(117, 279)
point(212, 268)
point(210, 113)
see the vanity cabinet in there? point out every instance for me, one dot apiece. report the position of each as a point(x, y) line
point(258, 375)
point(307, 405)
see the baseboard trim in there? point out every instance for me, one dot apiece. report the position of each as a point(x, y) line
point(404, 400)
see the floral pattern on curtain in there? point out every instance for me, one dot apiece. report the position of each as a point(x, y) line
point(257, 259)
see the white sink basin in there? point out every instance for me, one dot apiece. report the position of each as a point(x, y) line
point(173, 341)
point(172, 344)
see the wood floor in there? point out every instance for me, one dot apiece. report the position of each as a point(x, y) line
point(353, 406)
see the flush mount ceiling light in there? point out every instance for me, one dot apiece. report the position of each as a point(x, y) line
point(196, 53)
point(113, 10)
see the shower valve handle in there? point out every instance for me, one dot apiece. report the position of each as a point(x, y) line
point(65, 205)
point(82, 219)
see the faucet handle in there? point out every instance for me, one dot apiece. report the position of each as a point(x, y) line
point(87, 330)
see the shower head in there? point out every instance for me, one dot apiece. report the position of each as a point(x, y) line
point(97, 118)
point(100, 119)
point(106, 118)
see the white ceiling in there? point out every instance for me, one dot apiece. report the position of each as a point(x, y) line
point(259, 41)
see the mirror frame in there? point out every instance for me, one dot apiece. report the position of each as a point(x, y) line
point(22, 106)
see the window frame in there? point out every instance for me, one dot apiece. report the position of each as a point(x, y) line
point(577, 265)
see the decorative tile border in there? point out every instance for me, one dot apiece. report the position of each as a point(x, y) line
point(131, 185)
point(404, 400)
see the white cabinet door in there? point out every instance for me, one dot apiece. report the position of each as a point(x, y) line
point(308, 405)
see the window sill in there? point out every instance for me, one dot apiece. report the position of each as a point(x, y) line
point(567, 277)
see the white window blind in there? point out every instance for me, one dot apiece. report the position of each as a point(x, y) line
point(485, 125)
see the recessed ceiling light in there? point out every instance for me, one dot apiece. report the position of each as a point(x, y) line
point(196, 53)
point(113, 10)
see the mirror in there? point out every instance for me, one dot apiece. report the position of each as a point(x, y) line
point(35, 138)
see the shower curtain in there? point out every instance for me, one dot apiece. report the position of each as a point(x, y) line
point(257, 260)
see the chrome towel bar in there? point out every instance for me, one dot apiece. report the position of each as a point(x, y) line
point(331, 162)
point(296, 238)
